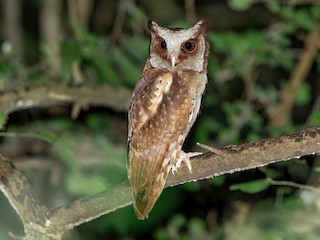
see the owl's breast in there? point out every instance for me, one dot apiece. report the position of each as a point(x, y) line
point(195, 81)
point(166, 100)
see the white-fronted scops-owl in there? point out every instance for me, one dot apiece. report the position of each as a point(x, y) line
point(163, 108)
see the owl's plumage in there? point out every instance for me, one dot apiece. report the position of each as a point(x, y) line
point(164, 106)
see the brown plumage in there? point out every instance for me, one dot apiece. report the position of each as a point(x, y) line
point(163, 108)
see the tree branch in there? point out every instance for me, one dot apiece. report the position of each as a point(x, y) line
point(51, 36)
point(55, 222)
point(11, 11)
point(250, 155)
point(31, 211)
point(91, 207)
point(47, 96)
point(279, 116)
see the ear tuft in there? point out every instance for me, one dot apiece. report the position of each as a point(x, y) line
point(202, 25)
point(151, 25)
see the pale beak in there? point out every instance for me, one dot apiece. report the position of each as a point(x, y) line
point(173, 61)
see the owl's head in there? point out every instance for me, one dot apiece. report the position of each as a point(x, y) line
point(179, 48)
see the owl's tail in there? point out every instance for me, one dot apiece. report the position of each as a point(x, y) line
point(146, 187)
point(143, 202)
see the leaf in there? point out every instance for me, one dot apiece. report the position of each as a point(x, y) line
point(240, 5)
point(196, 227)
point(3, 119)
point(102, 64)
point(314, 118)
point(303, 95)
point(48, 137)
point(136, 48)
point(251, 187)
point(218, 180)
point(271, 172)
point(316, 169)
point(191, 186)
point(121, 61)
point(273, 6)
point(70, 53)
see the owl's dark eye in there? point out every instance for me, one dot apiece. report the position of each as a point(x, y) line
point(189, 46)
point(163, 45)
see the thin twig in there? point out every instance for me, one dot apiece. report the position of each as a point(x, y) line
point(292, 184)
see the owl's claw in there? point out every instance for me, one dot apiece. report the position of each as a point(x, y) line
point(183, 157)
point(178, 162)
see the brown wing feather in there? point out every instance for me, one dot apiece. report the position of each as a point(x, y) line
point(155, 135)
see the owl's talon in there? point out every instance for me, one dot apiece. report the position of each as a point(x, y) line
point(175, 167)
point(188, 163)
point(184, 157)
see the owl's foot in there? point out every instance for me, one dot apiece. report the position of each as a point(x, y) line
point(183, 157)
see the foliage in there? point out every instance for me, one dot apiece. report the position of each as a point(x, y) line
point(100, 67)
point(251, 187)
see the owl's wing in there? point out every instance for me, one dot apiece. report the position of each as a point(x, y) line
point(158, 124)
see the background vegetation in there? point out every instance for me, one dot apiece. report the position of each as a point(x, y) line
point(264, 81)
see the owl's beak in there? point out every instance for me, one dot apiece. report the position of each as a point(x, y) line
point(173, 55)
point(173, 61)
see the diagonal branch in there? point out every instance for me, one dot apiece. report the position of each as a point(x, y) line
point(279, 116)
point(250, 155)
point(232, 158)
point(16, 188)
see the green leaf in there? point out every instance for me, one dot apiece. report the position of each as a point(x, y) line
point(178, 221)
point(303, 95)
point(191, 186)
point(48, 137)
point(251, 187)
point(240, 5)
point(314, 118)
point(102, 64)
point(218, 180)
point(271, 172)
point(136, 48)
point(3, 119)
point(121, 61)
point(70, 53)
point(196, 227)
point(97, 122)
point(316, 169)
point(273, 6)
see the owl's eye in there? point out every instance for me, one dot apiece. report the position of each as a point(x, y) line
point(162, 45)
point(189, 46)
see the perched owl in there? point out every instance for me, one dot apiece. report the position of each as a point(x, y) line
point(163, 108)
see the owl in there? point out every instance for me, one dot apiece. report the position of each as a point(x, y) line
point(163, 108)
